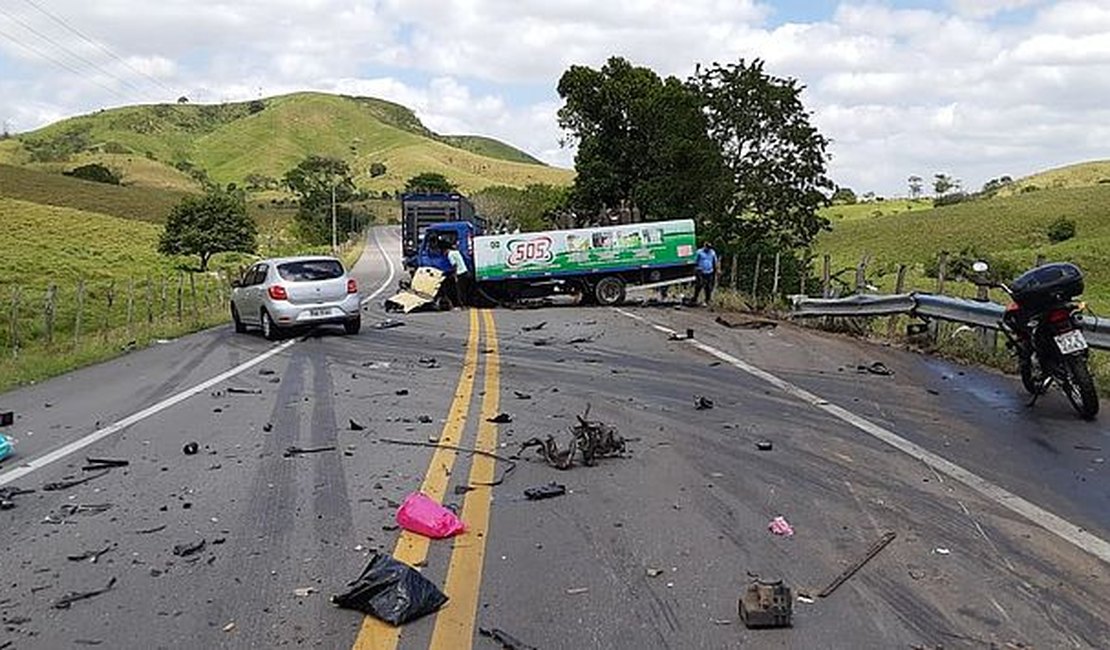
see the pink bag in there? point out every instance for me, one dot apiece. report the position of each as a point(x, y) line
point(424, 516)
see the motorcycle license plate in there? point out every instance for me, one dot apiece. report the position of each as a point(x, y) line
point(1072, 341)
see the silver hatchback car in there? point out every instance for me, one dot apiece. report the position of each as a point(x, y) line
point(290, 292)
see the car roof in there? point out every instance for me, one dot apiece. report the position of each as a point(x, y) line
point(273, 261)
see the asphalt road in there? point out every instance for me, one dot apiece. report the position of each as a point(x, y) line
point(1002, 513)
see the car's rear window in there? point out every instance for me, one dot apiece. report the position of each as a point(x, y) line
point(310, 270)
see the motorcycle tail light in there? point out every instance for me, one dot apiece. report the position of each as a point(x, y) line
point(278, 292)
point(1057, 316)
point(1013, 306)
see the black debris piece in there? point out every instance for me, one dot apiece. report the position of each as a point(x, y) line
point(675, 336)
point(751, 324)
point(581, 339)
point(541, 342)
point(91, 556)
point(96, 464)
point(932, 391)
point(71, 509)
point(506, 640)
point(7, 418)
point(354, 426)
point(147, 531)
point(534, 328)
point(877, 368)
point(879, 545)
point(428, 362)
point(88, 641)
point(590, 439)
point(268, 427)
point(462, 489)
point(266, 372)
point(7, 494)
point(702, 402)
point(190, 548)
point(500, 418)
point(68, 599)
point(244, 391)
point(548, 491)
point(65, 485)
point(297, 451)
point(391, 591)
point(466, 450)
point(424, 419)
point(389, 323)
point(521, 395)
point(401, 392)
point(190, 448)
point(764, 445)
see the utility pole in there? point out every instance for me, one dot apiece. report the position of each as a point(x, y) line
point(334, 241)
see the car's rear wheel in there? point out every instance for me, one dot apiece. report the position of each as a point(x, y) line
point(353, 326)
point(269, 330)
point(240, 327)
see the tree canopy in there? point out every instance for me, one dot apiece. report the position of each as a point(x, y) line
point(529, 209)
point(314, 180)
point(209, 224)
point(430, 183)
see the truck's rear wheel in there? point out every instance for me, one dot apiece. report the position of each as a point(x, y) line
point(609, 291)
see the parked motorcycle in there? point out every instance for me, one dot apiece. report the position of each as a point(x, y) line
point(1041, 326)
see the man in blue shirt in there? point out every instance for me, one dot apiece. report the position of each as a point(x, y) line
point(707, 267)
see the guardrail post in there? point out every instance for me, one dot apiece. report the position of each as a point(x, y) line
point(899, 287)
point(988, 337)
point(732, 271)
point(826, 279)
point(861, 274)
point(775, 284)
point(755, 278)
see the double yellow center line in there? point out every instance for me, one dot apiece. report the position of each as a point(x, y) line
point(454, 624)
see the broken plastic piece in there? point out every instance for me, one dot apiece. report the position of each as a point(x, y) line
point(190, 448)
point(297, 451)
point(851, 570)
point(422, 515)
point(764, 445)
point(534, 328)
point(68, 599)
point(389, 323)
point(7, 418)
point(354, 426)
point(391, 591)
point(65, 485)
point(5, 446)
point(521, 395)
point(702, 402)
point(766, 604)
point(185, 550)
point(780, 526)
point(507, 641)
point(877, 368)
point(500, 418)
point(545, 491)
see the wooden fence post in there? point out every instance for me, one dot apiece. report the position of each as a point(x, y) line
point(80, 312)
point(149, 302)
point(13, 323)
point(775, 284)
point(803, 271)
point(180, 296)
point(111, 299)
point(942, 269)
point(193, 292)
point(900, 281)
point(130, 308)
point(48, 312)
point(861, 273)
point(826, 278)
point(732, 271)
point(1039, 261)
point(165, 303)
point(755, 277)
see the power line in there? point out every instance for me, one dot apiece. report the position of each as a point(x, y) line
point(62, 64)
point(59, 20)
point(95, 66)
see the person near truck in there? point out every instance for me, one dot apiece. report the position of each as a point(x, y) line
point(459, 274)
point(707, 266)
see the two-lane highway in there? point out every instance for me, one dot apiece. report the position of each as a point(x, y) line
point(649, 550)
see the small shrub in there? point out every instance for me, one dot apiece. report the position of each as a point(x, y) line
point(96, 173)
point(256, 106)
point(951, 199)
point(1029, 188)
point(377, 169)
point(1060, 230)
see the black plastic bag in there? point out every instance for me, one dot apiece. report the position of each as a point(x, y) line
point(391, 591)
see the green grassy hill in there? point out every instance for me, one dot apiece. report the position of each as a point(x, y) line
point(1083, 174)
point(48, 189)
point(1012, 228)
point(268, 137)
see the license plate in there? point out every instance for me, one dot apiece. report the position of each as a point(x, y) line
point(319, 312)
point(1070, 342)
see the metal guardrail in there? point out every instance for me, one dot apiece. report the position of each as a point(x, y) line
point(930, 306)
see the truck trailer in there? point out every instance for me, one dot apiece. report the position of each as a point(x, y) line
point(598, 263)
point(420, 210)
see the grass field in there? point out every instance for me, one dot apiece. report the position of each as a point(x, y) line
point(44, 188)
point(1085, 174)
point(231, 141)
point(874, 209)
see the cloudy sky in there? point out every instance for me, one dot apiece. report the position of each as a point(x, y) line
point(973, 88)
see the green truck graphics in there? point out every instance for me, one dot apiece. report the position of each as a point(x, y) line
point(585, 250)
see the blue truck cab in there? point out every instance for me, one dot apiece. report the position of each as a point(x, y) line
point(438, 238)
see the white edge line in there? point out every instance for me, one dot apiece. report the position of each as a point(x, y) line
point(1054, 524)
point(65, 450)
point(389, 264)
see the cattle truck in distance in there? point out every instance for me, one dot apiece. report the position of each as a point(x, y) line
point(598, 263)
point(420, 210)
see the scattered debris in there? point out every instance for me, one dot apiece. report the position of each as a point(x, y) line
point(187, 549)
point(467, 450)
point(462, 489)
point(548, 491)
point(268, 427)
point(520, 395)
point(422, 515)
point(304, 592)
point(675, 336)
point(65, 485)
point(766, 604)
point(541, 342)
point(507, 641)
point(229, 627)
point(265, 372)
point(91, 556)
point(1086, 448)
point(764, 445)
point(424, 419)
point(591, 439)
point(574, 591)
point(391, 591)
point(298, 451)
point(702, 402)
point(582, 339)
point(5, 446)
point(94, 464)
point(877, 368)
point(7, 418)
point(940, 550)
point(428, 362)
point(244, 391)
point(68, 599)
point(401, 392)
point(534, 328)
point(851, 570)
point(389, 323)
point(190, 448)
point(421, 292)
point(500, 418)
point(354, 426)
point(780, 526)
point(654, 572)
point(751, 324)
point(147, 531)
point(9, 493)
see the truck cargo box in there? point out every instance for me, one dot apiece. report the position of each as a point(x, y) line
point(584, 251)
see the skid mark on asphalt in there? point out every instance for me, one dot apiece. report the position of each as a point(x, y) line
point(1033, 513)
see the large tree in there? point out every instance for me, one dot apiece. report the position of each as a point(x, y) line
point(314, 180)
point(775, 158)
point(534, 207)
point(430, 182)
point(642, 142)
point(209, 224)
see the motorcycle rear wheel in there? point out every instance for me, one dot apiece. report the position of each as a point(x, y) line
point(1080, 388)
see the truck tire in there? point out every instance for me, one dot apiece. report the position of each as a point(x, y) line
point(609, 291)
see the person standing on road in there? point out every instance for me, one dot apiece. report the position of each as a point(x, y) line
point(707, 266)
point(461, 275)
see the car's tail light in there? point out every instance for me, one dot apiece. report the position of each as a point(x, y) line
point(1057, 316)
point(278, 292)
point(352, 286)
